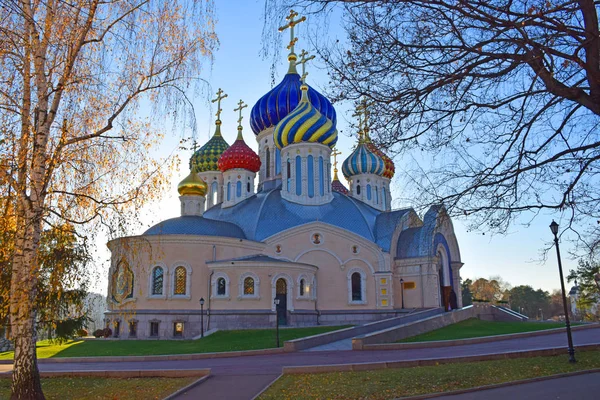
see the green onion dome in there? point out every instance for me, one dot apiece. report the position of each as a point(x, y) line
point(207, 157)
point(305, 124)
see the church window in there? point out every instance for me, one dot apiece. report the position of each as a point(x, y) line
point(383, 197)
point(228, 191)
point(356, 287)
point(157, 280)
point(268, 159)
point(277, 161)
point(221, 286)
point(311, 176)
point(289, 175)
point(180, 281)
point(376, 195)
point(302, 287)
point(358, 189)
point(178, 329)
point(368, 192)
point(214, 190)
point(132, 328)
point(321, 177)
point(248, 187)
point(298, 175)
point(154, 328)
point(249, 286)
point(117, 326)
point(238, 189)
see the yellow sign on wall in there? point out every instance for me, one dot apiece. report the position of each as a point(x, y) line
point(410, 285)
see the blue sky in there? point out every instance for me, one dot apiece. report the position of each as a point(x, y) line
point(241, 72)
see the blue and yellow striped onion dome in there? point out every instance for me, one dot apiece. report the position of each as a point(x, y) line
point(283, 99)
point(206, 158)
point(305, 124)
point(192, 185)
point(363, 161)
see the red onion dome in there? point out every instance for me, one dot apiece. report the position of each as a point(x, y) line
point(239, 155)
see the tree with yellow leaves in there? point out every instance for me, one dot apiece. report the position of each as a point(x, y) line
point(72, 149)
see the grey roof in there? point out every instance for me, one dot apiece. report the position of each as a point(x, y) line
point(267, 214)
point(418, 241)
point(193, 225)
point(263, 258)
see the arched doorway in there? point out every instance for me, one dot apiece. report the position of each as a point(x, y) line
point(281, 295)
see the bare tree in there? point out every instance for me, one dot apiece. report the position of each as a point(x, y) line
point(71, 74)
point(495, 102)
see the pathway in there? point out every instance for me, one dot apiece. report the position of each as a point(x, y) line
point(345, 344)
point(579, 387)
point(244, 377)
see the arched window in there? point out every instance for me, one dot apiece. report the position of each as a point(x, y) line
point(368, 192)
point(249, 286)
point(321, 177)
point(298, 175)
point(180, 285)
point(214, 190)
point(268, 159)
point(358, 189)
point(311, 176)
point(248, 187)
point(383, 197)
point(356, 287)
point(238, 189)
point(289, 175)
point(376, 195)
point(277, 161)
point(157, 281)
point(221, 287)
point(302, 287)
point(228, 191)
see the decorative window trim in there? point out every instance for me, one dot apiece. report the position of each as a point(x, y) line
point(290, 290)
point(363, 286)
point(151, 281)
point(183, 323)
point(321, 239)
point(150, 322)
point(188, 281)
point(215, 280)
point(307, 282)
point(256, 295)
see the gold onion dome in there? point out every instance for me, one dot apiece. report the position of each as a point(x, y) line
point(192, 185)
point(305, 124)
point(207, 157)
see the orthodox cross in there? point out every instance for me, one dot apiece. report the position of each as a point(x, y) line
point(359, 114)
point(291, 23)
point(335, 153)
point(303, 61)
point(241, 106)
point(220, 96)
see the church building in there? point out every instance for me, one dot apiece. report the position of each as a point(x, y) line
point(294, 243)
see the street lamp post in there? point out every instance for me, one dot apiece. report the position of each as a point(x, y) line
point(541, 314)
point(201, 317)
point(597, 279)
point(276, 301)
point(554, 229)
point(402, 291)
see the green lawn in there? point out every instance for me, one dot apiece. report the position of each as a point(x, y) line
point(474, 327)
point(105, 388)
point(393, 383)
point(217, 342)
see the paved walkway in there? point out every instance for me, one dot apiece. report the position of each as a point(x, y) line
point(579, 387)
point(345, 344)
point(243, 377)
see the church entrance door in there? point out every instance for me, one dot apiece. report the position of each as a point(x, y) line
point(281, 295)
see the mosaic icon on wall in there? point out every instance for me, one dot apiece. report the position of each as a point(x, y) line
point(122, 282)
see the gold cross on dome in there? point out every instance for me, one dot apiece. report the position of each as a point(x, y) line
point(335, 153)
point(220, 96)
point(241, 106)
point(303, 61)
point(291, 23)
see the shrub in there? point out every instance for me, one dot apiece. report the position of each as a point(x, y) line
point(99, 333)
point(107, 332)
point(82, 332)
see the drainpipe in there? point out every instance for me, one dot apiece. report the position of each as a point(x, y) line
point(214, 258)
point(316, 300)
